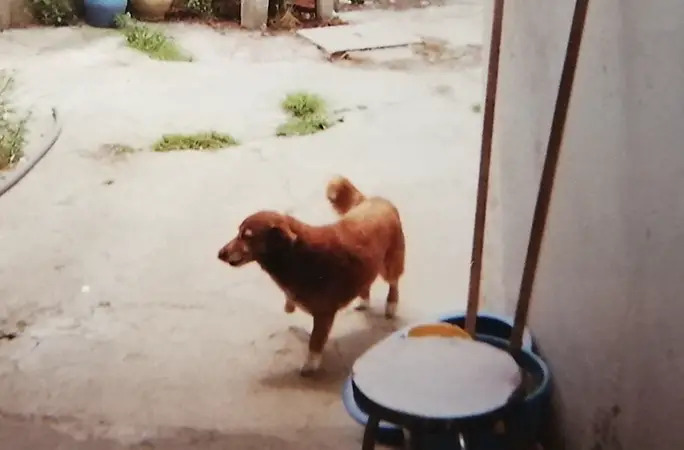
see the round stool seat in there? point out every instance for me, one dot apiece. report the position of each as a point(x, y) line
point(422, 381)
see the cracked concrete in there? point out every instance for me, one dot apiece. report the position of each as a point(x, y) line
point(134, 335)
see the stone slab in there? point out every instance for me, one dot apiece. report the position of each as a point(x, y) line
point(345, 38)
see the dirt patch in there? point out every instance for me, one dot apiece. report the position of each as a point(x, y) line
point(431, 52)
point(10, 332)
point(397, 5)
point(112, 152)
point(48, 433)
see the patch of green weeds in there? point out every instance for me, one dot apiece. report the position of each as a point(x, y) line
point(53, 12)
point(301, 126)
point(199, 141)
point(309, 115)
point(301, 104)
point(148, 40)
point(200, 8)
point(12, 126)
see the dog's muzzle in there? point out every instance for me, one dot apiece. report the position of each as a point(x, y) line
point(232, 255)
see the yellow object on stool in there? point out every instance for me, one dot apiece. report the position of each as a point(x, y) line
point(441, 329)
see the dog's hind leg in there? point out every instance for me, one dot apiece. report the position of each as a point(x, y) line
point(392, 300)
point(290, 306)
point(393, 270)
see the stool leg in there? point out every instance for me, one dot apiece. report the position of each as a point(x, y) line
point(462, 442)
point(369, 433)
point(512, 438)
point(415, 439)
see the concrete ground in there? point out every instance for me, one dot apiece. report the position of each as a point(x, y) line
point(132, 332)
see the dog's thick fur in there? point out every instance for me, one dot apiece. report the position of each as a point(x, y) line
point(343, 195)
point(321, 269)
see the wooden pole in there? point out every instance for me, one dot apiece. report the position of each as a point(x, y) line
point(553, 149)
point(485, 162)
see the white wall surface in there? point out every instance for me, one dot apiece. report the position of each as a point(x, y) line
point(608, 302)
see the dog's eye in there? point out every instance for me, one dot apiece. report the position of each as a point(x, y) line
point(246, 233)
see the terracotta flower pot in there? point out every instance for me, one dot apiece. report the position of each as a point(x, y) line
point(151, 9)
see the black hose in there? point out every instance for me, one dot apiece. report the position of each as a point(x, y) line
point(25, 169)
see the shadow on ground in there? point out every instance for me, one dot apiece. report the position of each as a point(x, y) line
point(341, 352)
point(27, 433)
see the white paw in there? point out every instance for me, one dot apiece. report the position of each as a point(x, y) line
point(312, 364)
point(390, 310)
point(362, 304)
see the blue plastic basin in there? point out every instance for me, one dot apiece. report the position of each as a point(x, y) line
point(101, 13)
point(528, 420)
point(489, 324)
point(388, 433)
point(496, 331)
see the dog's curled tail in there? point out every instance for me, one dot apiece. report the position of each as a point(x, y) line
point(343, 195)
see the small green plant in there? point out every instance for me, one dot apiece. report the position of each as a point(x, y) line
point(199, 141)
point(308, 113)
point(12, 126)
point(200, 8)
point(476, 108)
point(301, 104)
point(301, 126)
point(146, 39)
point(53, 12)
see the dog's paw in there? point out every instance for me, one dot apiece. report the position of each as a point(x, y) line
point(311, 366)
point(391, 310)
point(362, 304)
point(307, 372)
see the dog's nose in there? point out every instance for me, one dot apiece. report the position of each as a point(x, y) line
point(230, 256)
point(234, 258)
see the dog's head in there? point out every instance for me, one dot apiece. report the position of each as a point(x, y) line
point(258, 234)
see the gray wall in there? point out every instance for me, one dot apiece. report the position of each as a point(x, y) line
point(608, 304)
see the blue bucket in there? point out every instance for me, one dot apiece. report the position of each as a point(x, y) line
point(388, 433)
point(491, 325)
point(101, 13)
point(527, 422)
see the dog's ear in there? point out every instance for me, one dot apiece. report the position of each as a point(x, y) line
point(281, 234)
point(287, 232)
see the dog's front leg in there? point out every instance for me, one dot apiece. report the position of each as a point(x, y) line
point(319, 336)
point(363, 302)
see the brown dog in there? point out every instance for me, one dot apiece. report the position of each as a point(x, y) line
point(321, 269)
point(343, 196)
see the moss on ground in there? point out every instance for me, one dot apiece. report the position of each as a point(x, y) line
point(308, 115)
point(199, 141)
point(13, 128)
point(150, 41)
